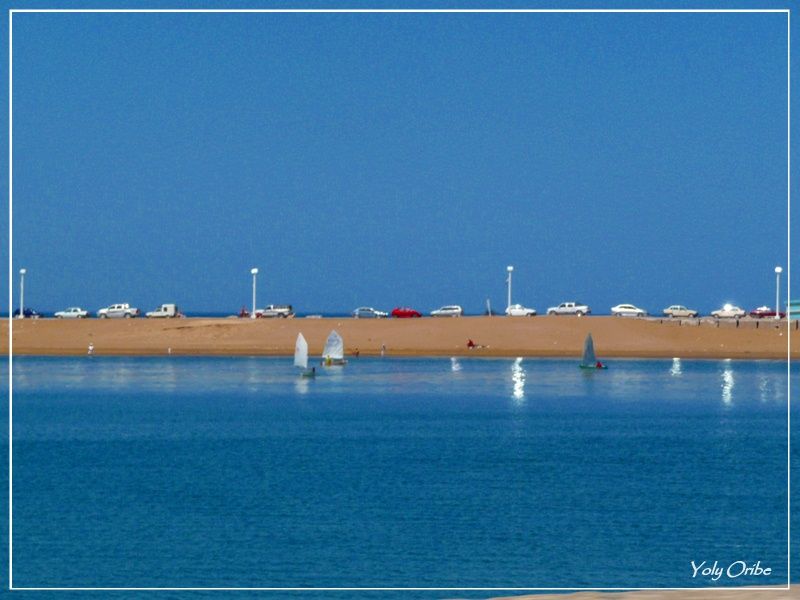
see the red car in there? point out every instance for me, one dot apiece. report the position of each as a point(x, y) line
point(764, 312)
point(405, 313)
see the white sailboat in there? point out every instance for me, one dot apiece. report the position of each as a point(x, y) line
point(589, 360)
point(301, 356)
point(333, 354)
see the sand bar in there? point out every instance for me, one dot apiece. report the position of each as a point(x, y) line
point(542, 336)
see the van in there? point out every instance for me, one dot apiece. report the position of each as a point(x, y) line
point(164, 311)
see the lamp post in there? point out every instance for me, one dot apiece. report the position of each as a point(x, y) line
point(22, 293)
point(510, 270)
point(254, 272)
point(778, 271)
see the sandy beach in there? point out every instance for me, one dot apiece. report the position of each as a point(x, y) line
point(495, 336)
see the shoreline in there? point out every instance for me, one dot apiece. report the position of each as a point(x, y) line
point(536, 337)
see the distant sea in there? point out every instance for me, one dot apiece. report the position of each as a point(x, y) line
point(224, 314)
point(207, 314)
point(300, 315)
point(200, 471)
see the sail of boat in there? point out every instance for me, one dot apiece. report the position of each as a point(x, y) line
point(333, 354)
point(301, 352)
point(589, 359)
point(334, 347)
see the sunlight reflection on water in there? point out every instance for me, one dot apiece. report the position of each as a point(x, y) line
point(629, 381)
point(728, 381)
point(518, 378)
point(676, 370)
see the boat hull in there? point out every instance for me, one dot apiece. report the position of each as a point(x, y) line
point(334, 362)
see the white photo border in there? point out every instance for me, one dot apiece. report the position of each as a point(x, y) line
point(13, 11)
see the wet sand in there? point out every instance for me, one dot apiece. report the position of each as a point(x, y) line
point(542, 336)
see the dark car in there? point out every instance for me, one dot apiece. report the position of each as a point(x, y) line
point(764, 312)
point(29, 314)
point(405, 313)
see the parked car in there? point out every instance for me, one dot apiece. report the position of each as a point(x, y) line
point(118, 311)
point(628, 310)
point(729, 311)
point(28, 312)
point(678, 310)
point(275, 310)
point(765, 312)
point(569, 308)
point(451, 310)
point(517, 310)
point(405, 313)
point(165, 311)
point(367, 312)
point(73, 312)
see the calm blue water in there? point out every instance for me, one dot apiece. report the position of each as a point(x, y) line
point(177, 471)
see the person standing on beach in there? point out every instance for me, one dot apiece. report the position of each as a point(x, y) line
point(90, 350)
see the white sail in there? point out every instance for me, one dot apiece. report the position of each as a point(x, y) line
point(589, 358)
point(301, 352)
point(334, 347)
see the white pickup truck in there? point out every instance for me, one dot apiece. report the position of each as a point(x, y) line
point(569, 308)
point(165, 311)
point(275, 310)
point(118, 311)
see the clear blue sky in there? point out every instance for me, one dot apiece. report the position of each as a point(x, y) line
point(399, 159)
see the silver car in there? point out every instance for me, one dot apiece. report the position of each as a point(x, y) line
point(367, 312)
point(451, 310)
point(517, 310)
point(628, 310)
point(73, 312)
point(729, 311)
point(678, 310)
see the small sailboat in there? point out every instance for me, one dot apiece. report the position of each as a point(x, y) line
point(301, 357)
point(589, 360)
point(333, 354)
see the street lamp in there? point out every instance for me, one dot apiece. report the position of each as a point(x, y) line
point(22, 293)
point(254, 272)
point(510, 270)
point(778, 271)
